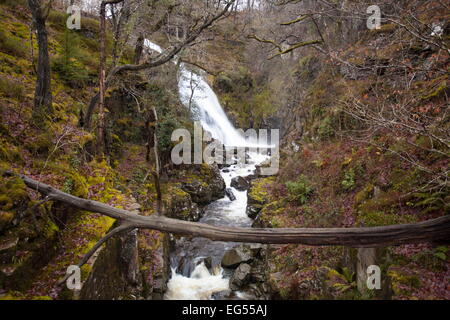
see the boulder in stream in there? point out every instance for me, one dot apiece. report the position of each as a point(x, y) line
point(234, 257)
point(230, 194)
point(240, 183)
point(253, 210)
point(206, 184)
point(241, 276)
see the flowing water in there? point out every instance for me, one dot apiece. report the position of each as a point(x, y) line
point(191, 279)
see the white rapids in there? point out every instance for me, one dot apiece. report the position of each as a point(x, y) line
point(201, 283)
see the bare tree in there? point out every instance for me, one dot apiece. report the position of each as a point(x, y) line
point(43, 96)
point(195, 31)
point(101, 112)
point(425, 231)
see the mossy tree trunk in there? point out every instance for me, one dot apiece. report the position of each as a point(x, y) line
point(43, 94)
point(102, 79)
point(139, 49)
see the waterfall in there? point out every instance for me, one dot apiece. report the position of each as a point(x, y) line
point(197, 95)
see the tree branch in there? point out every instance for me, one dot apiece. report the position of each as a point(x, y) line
point(431, 230)
point(160, 60)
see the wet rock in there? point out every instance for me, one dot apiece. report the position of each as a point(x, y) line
point(209, 186)
point(258, 273)
point(180, 206)
point(256, 198)
point(207, 261)
point(158, 289)
point(258, 291)
point(256, 248)
point(258, 223)
point(222, 295)
point(241, 276)
point(234, 257)
point(240, 183)
point(253, 210)
point(185, 266)
point(230, 194)
point(264, 164)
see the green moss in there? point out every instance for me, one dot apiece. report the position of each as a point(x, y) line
point(382, 200)
point(12, 295)
point(90, 24)
point(41, 298)
point(12, 191)
point(12, 45)
point(50, 229)
point(6, 217)
point(365, 194)
point(12, 88)
point(275, 222)
point(258, 191)
point(14, 3)
point(77, 184)
point(402, 283)
point(349, 183)
point(433, 201)
point(304, 64)
point(439, 87)
point(9, 152)
point(373, 219)
point(57, 19)
point(41, 144)
point(325, 130)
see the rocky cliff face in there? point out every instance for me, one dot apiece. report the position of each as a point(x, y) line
point(115, 274)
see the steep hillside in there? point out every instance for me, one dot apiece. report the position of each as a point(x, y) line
point(364, 122)
point(365, 143)
point(39, 239)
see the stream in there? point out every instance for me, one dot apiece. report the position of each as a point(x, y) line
point(191, 279)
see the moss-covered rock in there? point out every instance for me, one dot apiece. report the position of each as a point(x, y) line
point(179, 205)
point(14, 202)
point(205, 184)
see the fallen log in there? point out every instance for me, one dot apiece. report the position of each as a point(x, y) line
point(431, 230)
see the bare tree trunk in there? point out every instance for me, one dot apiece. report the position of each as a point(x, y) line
point(139, 49)
point(367, 237)
point(159, 209)
point(90, 111)
point(101, 111)
point(102, 77)
point(154, 63)
point(43, 93)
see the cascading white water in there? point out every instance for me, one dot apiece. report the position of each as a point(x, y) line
point(199, 286)
point(197, 95)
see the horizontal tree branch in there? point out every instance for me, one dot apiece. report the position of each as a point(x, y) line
point(431, 230)
point(295, 20)
point(296, 46)
point(161, 59)
point(272, 42)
